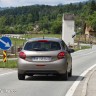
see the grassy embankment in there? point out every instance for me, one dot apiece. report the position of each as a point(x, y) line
point(8, 64)
point(41, 35)
point(82, 48)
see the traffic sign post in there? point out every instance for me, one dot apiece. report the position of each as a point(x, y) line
point(5, 44)
point(4, 56)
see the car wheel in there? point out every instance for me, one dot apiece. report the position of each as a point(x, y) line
point(21, 76)
point(70, 73)
point(64, 76)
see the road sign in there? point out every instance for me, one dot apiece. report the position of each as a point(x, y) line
point(5, 43)
point(4, 56)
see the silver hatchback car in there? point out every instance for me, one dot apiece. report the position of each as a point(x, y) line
point(45, 56)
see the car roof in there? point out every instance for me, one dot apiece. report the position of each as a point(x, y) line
point(45, 38)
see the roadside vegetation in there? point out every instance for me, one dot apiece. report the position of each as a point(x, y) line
point(47, 19)
point(41, 35)
point(82, 48)
point(8, 64)
point(17, 42)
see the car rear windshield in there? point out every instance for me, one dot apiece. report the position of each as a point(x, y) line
point(42, 46)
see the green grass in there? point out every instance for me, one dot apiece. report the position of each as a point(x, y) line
point(8, 64)
point(82, 47)
point(85, 47)
point(17, 42)
point(41, 35)
point(1, 56)
point(20, 42)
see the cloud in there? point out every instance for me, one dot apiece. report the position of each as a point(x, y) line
point(6, 3)
point(14, 3)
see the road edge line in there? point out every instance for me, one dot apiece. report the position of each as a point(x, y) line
point(7, 73)
point(85, 85)
point(72, 89)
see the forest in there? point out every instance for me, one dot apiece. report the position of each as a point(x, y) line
point(45, 18)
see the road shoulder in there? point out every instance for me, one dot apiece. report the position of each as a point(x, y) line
point(87, 87)
point(7, 70)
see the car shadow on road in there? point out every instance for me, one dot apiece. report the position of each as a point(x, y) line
point(76, 78)
point(53, 78)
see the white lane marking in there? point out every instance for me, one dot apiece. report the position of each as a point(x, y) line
point(85, 85)
point(72, 89)
point(7, 73)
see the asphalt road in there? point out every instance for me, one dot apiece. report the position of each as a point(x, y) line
point(45, 85)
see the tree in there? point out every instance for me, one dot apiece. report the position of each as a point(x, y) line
point(92, 20)
point(56, 27)
point(92, 6)
point(48, 18)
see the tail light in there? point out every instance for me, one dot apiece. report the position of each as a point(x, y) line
point(22, 55)
point(61, 55)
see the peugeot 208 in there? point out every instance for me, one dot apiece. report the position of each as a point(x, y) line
point(45, 56)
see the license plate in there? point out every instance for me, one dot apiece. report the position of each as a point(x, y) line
point(41, 58)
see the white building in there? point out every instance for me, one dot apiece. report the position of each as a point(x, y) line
point(68, 28)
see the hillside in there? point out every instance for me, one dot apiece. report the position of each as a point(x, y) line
point(92, 0)
point(46, 18)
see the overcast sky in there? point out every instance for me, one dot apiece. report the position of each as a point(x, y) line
point(14, 3)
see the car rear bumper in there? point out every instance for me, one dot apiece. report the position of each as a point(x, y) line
point(31, 72)
point(55, 67)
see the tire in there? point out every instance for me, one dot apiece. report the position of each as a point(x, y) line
point(21, 76)
point(64, 76)
point(70, 73)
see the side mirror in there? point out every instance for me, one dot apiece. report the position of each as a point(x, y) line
point(71, 50)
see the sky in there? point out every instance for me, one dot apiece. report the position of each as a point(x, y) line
point(16, 3)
